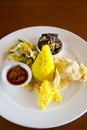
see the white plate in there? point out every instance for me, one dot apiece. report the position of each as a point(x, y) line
point(20, 106)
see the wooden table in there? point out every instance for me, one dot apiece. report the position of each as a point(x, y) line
point(67, 14)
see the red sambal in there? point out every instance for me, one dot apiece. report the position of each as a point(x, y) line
point(17, 75)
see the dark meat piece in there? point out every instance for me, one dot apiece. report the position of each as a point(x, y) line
point(51, 36)
point(52, 40)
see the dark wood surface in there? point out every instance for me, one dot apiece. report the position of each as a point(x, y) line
point(68, 14)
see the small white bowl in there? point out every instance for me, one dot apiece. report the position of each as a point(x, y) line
point(58, 53)
point(11, 65)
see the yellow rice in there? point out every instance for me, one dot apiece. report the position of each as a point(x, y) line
point(43, 67)
point(47, 94)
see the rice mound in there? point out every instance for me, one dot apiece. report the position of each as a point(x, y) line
point(43, 67)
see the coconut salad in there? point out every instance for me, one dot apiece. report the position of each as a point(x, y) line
point(49, 74)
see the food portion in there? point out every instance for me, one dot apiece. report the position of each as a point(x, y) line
point(52, 40)
point(69, 71)
point(47, 94)
point(17, 75)
point(49, 74)
point(23, 51)
point(43, 67)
